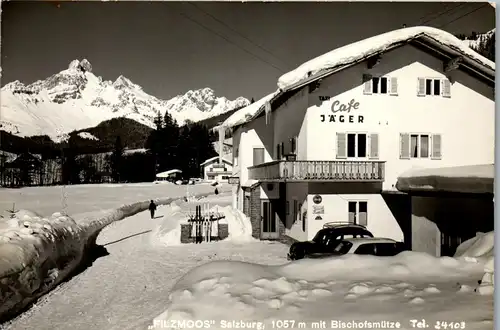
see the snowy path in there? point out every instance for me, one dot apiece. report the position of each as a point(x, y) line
point(129, 287)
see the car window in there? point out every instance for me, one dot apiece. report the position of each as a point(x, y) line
point(321, 236)
point(343, 247)
point(386, 249)
point(365, 249)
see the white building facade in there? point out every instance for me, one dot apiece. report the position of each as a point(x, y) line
point(330, 148)
point(217, 169)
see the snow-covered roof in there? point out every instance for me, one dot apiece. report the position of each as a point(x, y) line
point(351, 54)
point(359, 50)
point(243, 115)
point(134, 151)
point(167, 173)
point(250, 183)
point(213, 159)
point(461, 179)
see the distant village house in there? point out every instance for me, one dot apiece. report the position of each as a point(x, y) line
point(217, 169)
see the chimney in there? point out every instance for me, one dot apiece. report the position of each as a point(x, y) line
point(222, 135)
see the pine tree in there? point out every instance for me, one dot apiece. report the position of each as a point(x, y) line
point(197, 146)
point(252, 100)
point(169, 140)
point(88, 169)
point(486, 47)
point(70, 168)
point(116, 160)
point(158, 122)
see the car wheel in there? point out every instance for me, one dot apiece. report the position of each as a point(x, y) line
point(297, 253)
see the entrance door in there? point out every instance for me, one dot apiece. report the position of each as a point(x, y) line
point(269, 220)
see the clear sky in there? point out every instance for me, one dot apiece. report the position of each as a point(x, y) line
point(237, 49)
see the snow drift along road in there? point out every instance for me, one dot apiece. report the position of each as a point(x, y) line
point(408, 286)
point(38, 253)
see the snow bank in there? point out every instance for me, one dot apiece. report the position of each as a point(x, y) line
point(239, 225)
point(169, 231)
point(244, 114)
point(313, 289)
point(470, 178)
point(361, 49)
point(481, 248)
point(38, 253)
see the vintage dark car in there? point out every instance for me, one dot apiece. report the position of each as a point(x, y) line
point(326, 239)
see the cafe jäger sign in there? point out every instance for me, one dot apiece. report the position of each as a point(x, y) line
point(341, 112)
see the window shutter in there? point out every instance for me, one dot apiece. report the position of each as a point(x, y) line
point(394, 86)
point(421, 87)
point(367, 81)
point(445, 88)
point(436, 146)
point(374, 145)
point(341, 145)
point(404, 146)
point(258, 156)
point(293, 145)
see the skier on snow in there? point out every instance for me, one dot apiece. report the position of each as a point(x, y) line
point(152, 209)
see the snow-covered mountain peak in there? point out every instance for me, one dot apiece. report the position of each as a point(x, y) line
point(75, 98)
point(122, 82)
point(80, 66)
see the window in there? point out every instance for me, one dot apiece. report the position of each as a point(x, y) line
point(366, 249)
point(386, 249)
point(225, 177)
point(414, 145)
point(358, 212)
point(419, 146)
point(434, 87)
point(380, 85)
point(343, 247)
point(258, 156)
point(356, 145)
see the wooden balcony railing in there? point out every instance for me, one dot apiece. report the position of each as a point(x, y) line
point(304, 170)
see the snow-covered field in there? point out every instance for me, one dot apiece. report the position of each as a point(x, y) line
point(92, 197)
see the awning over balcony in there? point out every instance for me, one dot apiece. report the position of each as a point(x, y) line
point(306, 171)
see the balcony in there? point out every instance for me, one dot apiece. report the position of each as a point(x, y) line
point(324, 171)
